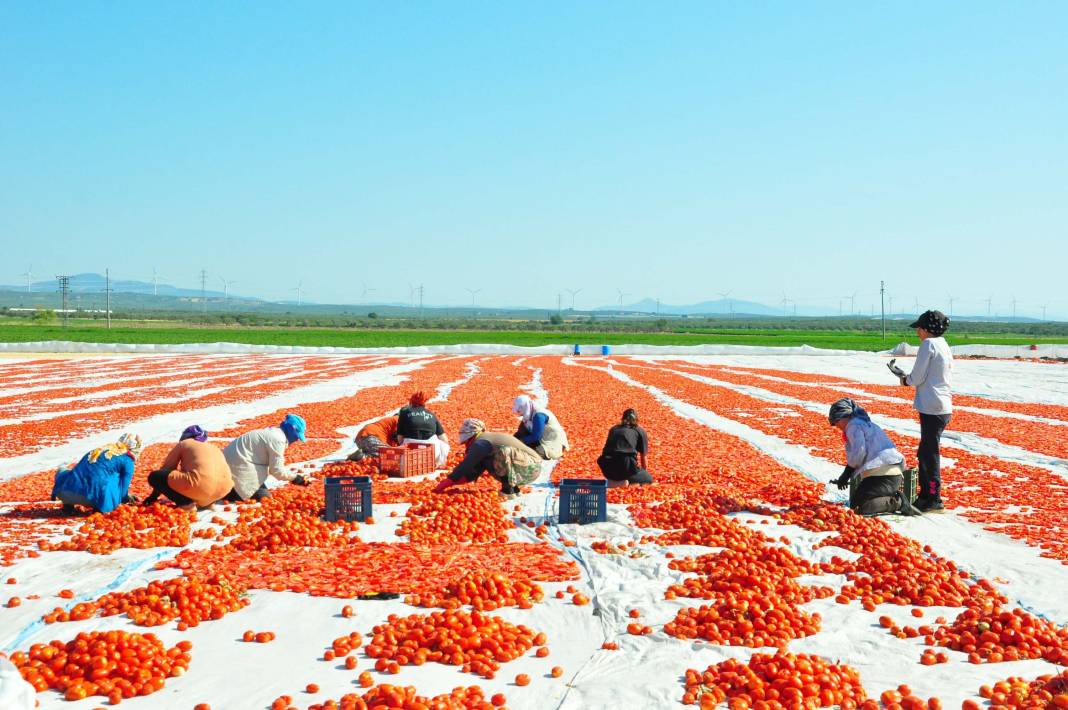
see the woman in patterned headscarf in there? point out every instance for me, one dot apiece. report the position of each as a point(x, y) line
point(501, 455)
point(101, 479)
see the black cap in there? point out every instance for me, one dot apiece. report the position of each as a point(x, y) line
point(934, 322)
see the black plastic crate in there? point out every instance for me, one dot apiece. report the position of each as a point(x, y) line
point(348, 498)
point(583, 500)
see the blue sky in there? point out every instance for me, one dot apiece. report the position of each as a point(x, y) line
point(672, 151)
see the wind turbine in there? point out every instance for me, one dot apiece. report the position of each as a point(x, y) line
point(622, 295)
point(300, 285)
point(951, 299)
point(363, 295)
point(474, 292)
point(785, 302)
point(29, 279)
point(573, 292)
point(226, 289)
point(1014, 307)
point(730, 304)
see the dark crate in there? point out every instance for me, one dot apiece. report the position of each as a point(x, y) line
point(583, 500)
point(348, 498)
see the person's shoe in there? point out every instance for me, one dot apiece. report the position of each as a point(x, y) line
point(357, 456)
point(68, 509)
point(930, 505)
point(907, 508)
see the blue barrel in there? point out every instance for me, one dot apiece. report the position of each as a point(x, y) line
point(577, 351)
point(606, 350)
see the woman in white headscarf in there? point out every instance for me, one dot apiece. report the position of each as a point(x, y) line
point(539, 429)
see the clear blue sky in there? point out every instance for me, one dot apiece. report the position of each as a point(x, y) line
point(672, 151)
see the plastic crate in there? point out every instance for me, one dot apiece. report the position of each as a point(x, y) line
point(911, 483)
point(583, 500)
point(405, 461)
point(348, 498)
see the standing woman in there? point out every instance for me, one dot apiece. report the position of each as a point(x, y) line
point(624, 449)
point(930, 376)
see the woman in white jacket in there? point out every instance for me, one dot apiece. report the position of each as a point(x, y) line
point(871, 456)
point(930, 376)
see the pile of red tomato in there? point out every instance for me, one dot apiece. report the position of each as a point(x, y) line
point(131, 526)
point(482, 590)
point(395, 697)
point(114, 664)
point(774, 682)
point(750, 618)
point(458, 515)
point(189, 599)
point(993, 634)
point(1047, 691)
point(476, 642)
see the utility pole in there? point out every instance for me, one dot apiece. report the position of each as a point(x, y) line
point(559, 302)
point(64, 290)
point(155, 282)
point(1014, 307)
point(420, 300)
point(203, 291)
point(107, 290)
point(658, 306)
point(1043, 313)
point(882, 305)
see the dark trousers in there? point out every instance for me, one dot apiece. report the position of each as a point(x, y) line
point(878, 495)
point(930, 460)
point(160, 486)
point(260, 494)
point(623, 468)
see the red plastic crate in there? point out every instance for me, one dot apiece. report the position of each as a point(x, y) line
point(405, 461)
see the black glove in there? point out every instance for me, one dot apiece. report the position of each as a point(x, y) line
point(130, 500)
point(843, 481)
point(299, 480)
point(894, 368)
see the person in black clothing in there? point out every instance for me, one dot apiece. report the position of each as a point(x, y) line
point(623, 458)
point(417, 424)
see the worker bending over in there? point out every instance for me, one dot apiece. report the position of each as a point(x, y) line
point(870, 455)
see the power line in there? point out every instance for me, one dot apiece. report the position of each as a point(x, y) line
point(64, 290)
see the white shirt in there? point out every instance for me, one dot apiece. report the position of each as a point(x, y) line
point(931, 376)
point(254, 456)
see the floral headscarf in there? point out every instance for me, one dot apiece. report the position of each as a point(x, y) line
point(127, 444)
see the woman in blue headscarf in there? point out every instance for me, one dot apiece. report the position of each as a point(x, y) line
point(101, 479)
point(871, 456)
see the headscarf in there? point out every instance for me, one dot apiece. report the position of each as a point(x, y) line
point(294, 428)
point(194, 432)
point(524, 406)
point(418, 399)
point(471, 428)
point(846, 408)
point(127, 444)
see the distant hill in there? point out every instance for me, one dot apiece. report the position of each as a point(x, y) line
point(95, 283)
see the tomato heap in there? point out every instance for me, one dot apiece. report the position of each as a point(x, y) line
point(291, 517)
point(456, 516)
point(1046, 691)
point(993, 634)
point(783, 680)
point(114, 664)
point(130, 526)
point(397, 697)
point(189, 599)
point(773, 572)
point(748, 618)
point(477, 642)
point(483, 590)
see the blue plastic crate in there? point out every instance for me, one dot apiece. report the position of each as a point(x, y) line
point(583, 500)
point(348, 498)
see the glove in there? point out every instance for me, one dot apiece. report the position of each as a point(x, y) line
point(130, 500)
point(299, 480)
point(843, 481)
point(895, 369)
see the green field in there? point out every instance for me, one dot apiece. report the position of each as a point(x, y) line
point(356, 338)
